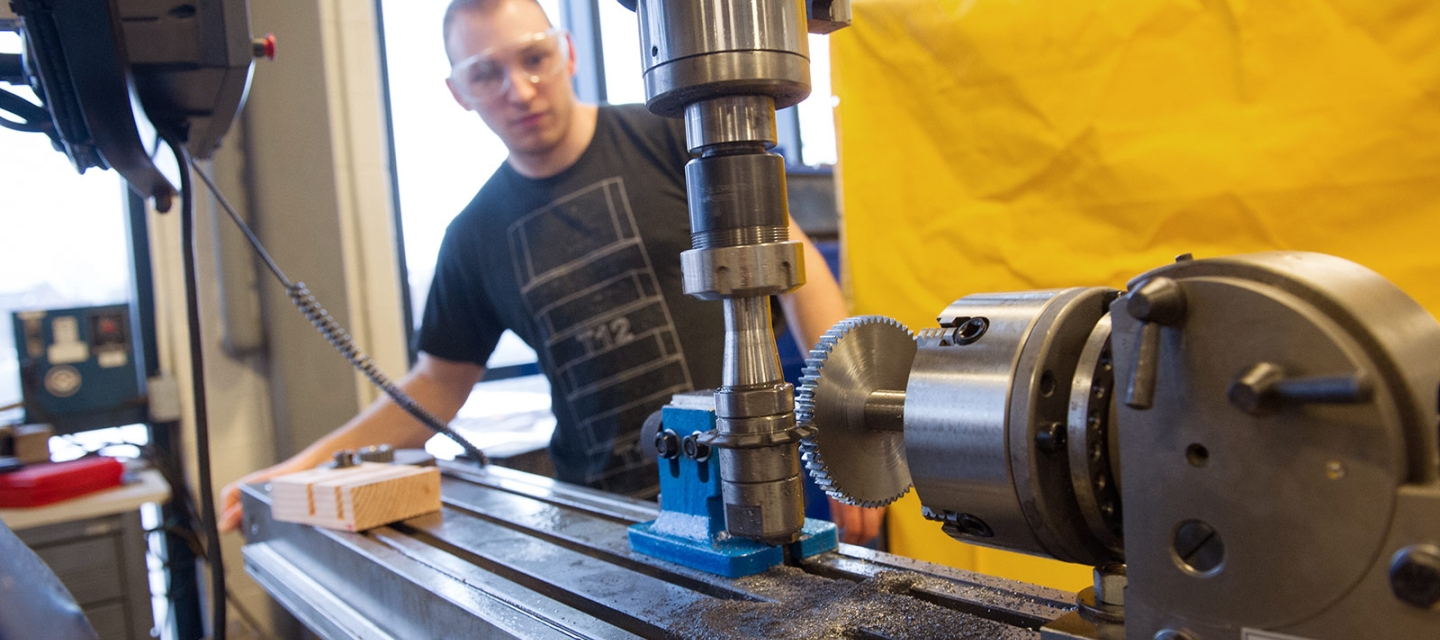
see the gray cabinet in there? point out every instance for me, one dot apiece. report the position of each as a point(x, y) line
point(101, 560)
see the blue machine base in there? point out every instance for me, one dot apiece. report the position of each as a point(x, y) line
point(728, 556)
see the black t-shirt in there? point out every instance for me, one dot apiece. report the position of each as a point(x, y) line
point(585, 267)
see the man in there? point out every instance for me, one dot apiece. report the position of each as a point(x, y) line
point(574, 244)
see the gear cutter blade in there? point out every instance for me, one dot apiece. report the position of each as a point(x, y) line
point(855, 463)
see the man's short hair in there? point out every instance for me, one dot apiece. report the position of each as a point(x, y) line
point(470, 6)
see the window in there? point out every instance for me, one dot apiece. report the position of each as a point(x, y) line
point(620, 41)
point(65, 241)
point(817, 113)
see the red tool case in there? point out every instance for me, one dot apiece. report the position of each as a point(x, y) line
point(42, 484)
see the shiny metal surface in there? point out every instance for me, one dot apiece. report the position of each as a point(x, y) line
point(748, 270)
point(516, 555)
point(676, 34)
point(759, 400)
point(772, 466)
point(763, 495)
point(854, 462)
point(320, 610)
point(754, 425)
point(730, 120)
point(885, 410)
point(780, 75)
point(1039, 466)
point(737, 236)
point(1303, 499)
point(1093, 442)
point(985, 413)
point(760, 478)
point(957, 414)
point(736, 191)
point(674, 29)
point(748, 333)
point(726, 65)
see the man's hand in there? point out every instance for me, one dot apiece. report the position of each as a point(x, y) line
point(858, 525)
point(438, 384)
point(230, 509)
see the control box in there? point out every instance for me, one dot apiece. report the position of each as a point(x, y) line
point(78, 369)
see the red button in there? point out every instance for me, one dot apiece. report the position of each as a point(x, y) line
point(264, 46)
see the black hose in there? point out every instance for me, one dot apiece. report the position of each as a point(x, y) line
point(33, 118)
point(12, 68)
point(197, 373)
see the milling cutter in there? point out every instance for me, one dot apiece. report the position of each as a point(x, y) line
point(854, 385)
point(725, 66)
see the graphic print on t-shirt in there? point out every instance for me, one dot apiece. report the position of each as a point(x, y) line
point(586, 278)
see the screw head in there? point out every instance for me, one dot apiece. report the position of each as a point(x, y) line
point(694, 449)
point(667, 444)
point(971, 330)
point(1050, 437)
point(344, 458)
point(1415, 576)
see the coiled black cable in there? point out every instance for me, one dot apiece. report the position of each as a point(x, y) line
point(337, 335)
point(341, 340)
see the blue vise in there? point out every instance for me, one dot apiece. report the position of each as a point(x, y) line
point(691, 528)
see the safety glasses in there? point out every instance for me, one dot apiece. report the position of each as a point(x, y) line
point(486, 76)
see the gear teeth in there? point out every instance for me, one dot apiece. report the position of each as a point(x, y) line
point(805, 408)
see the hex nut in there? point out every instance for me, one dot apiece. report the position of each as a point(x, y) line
point(1110, 584)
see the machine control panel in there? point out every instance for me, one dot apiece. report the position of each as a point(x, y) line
point(78, 369)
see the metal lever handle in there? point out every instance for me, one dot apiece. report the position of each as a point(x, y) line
point(1263, 389)
point(1157, 302)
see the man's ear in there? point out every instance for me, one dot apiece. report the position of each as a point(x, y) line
point(450, 84)
point(570, 53)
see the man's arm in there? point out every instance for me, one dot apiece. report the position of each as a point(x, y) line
point(810, 311)
point(437, 384)
point(817, 306)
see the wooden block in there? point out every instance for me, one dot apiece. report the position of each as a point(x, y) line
point(31, 443)
point(355, 498)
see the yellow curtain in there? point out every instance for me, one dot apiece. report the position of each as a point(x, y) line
point(1001, 145)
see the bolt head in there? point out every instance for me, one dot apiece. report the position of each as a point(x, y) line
point(1110, 584)
point(694, 448)
point(667, 444)
point(1415, 576)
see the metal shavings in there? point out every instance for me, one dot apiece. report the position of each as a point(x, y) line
point(806, 606)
